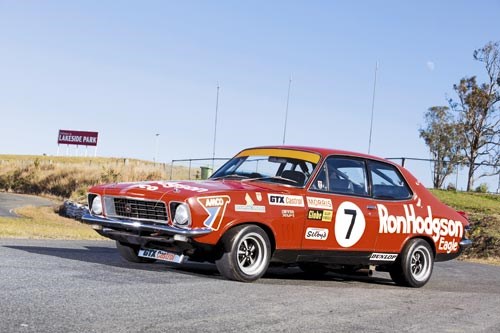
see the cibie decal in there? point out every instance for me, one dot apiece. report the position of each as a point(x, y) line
point(413, 224)
point(317, 234)
point(383, 256)
point(216, 208)
point(287, 213)
point(286, 200)
point(320, 215)
point(320, 203)
point(349, 224)
point(249, 207)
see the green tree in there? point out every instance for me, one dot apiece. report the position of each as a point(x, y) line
point(442, 137)
point(478, 113)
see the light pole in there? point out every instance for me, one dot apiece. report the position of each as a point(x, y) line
point(286, 110)
point(156, 149)
point(215, 126)
point(373, 107)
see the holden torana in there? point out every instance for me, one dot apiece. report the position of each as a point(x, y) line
point(318, 209)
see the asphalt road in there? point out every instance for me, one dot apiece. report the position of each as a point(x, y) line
point(10, 201)
point(85, 286)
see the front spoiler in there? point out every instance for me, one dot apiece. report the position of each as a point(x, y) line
point(142, 226)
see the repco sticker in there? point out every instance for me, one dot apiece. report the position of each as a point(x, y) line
point(286, 200)
point(216, 208)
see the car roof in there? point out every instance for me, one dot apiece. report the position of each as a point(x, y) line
point(327, 151)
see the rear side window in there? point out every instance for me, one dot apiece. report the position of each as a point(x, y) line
point(387, 182)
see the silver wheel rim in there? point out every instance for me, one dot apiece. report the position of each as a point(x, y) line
point(420, 263)
point(251, 254)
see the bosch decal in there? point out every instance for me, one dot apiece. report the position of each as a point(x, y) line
point(216, 208)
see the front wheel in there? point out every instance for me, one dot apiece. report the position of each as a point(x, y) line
point(129, 253)
point(246, 256)
point(414, 268)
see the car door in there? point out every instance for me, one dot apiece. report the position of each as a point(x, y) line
point(396, 205)
point(340, 215)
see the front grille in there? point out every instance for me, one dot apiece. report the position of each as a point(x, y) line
point(140, 209)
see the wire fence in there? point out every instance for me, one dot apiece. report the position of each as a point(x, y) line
point(486, 176)
point(197, 168)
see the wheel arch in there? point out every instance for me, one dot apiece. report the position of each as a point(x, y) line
point(263, 226)
point(425, 238)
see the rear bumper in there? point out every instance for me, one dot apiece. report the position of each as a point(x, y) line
point(99, 222)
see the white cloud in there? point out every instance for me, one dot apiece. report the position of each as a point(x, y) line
point(430, 65)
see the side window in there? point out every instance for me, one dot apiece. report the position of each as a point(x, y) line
point(387, 182)
point(342, 175)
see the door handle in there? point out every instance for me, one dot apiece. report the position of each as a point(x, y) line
point(371, 207)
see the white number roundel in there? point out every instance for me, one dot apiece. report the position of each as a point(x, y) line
point(349, 224)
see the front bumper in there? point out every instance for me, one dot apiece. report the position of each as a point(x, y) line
point(142, 226)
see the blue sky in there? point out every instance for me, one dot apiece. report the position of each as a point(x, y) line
point(131, 69)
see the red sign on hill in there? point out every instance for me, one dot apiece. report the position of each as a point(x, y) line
point(78, 138)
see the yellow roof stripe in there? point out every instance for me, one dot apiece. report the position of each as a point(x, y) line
point(297, 154)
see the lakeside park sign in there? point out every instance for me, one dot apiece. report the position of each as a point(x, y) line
point(78, 138)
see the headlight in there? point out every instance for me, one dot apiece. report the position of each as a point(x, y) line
point(181, 215)
point(97, 205)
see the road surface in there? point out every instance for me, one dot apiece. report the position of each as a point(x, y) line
point(10, 201)
point(85, 286)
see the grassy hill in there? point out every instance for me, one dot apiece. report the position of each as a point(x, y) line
point(69, 177)
point(484, 215)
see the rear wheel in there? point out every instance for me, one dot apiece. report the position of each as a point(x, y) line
point(246, 256)
point(414, 267)
point(129, 252)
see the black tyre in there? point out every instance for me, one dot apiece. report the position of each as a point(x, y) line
point(129, 252)
point(246, 255)
point(414, 267)
point(313, 269)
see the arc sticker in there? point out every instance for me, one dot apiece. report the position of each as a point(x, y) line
point(349, 224)
point(215, 206)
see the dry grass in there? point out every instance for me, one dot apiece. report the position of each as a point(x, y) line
point(44, 223)
point(70, 177)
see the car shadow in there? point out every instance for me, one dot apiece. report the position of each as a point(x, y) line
point(275, 275)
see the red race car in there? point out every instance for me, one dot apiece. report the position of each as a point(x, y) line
point(320, 209)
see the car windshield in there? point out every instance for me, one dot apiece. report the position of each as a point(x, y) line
point(278, 166)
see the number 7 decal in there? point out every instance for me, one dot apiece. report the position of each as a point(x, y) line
point(353, 213)
point(349, 224)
